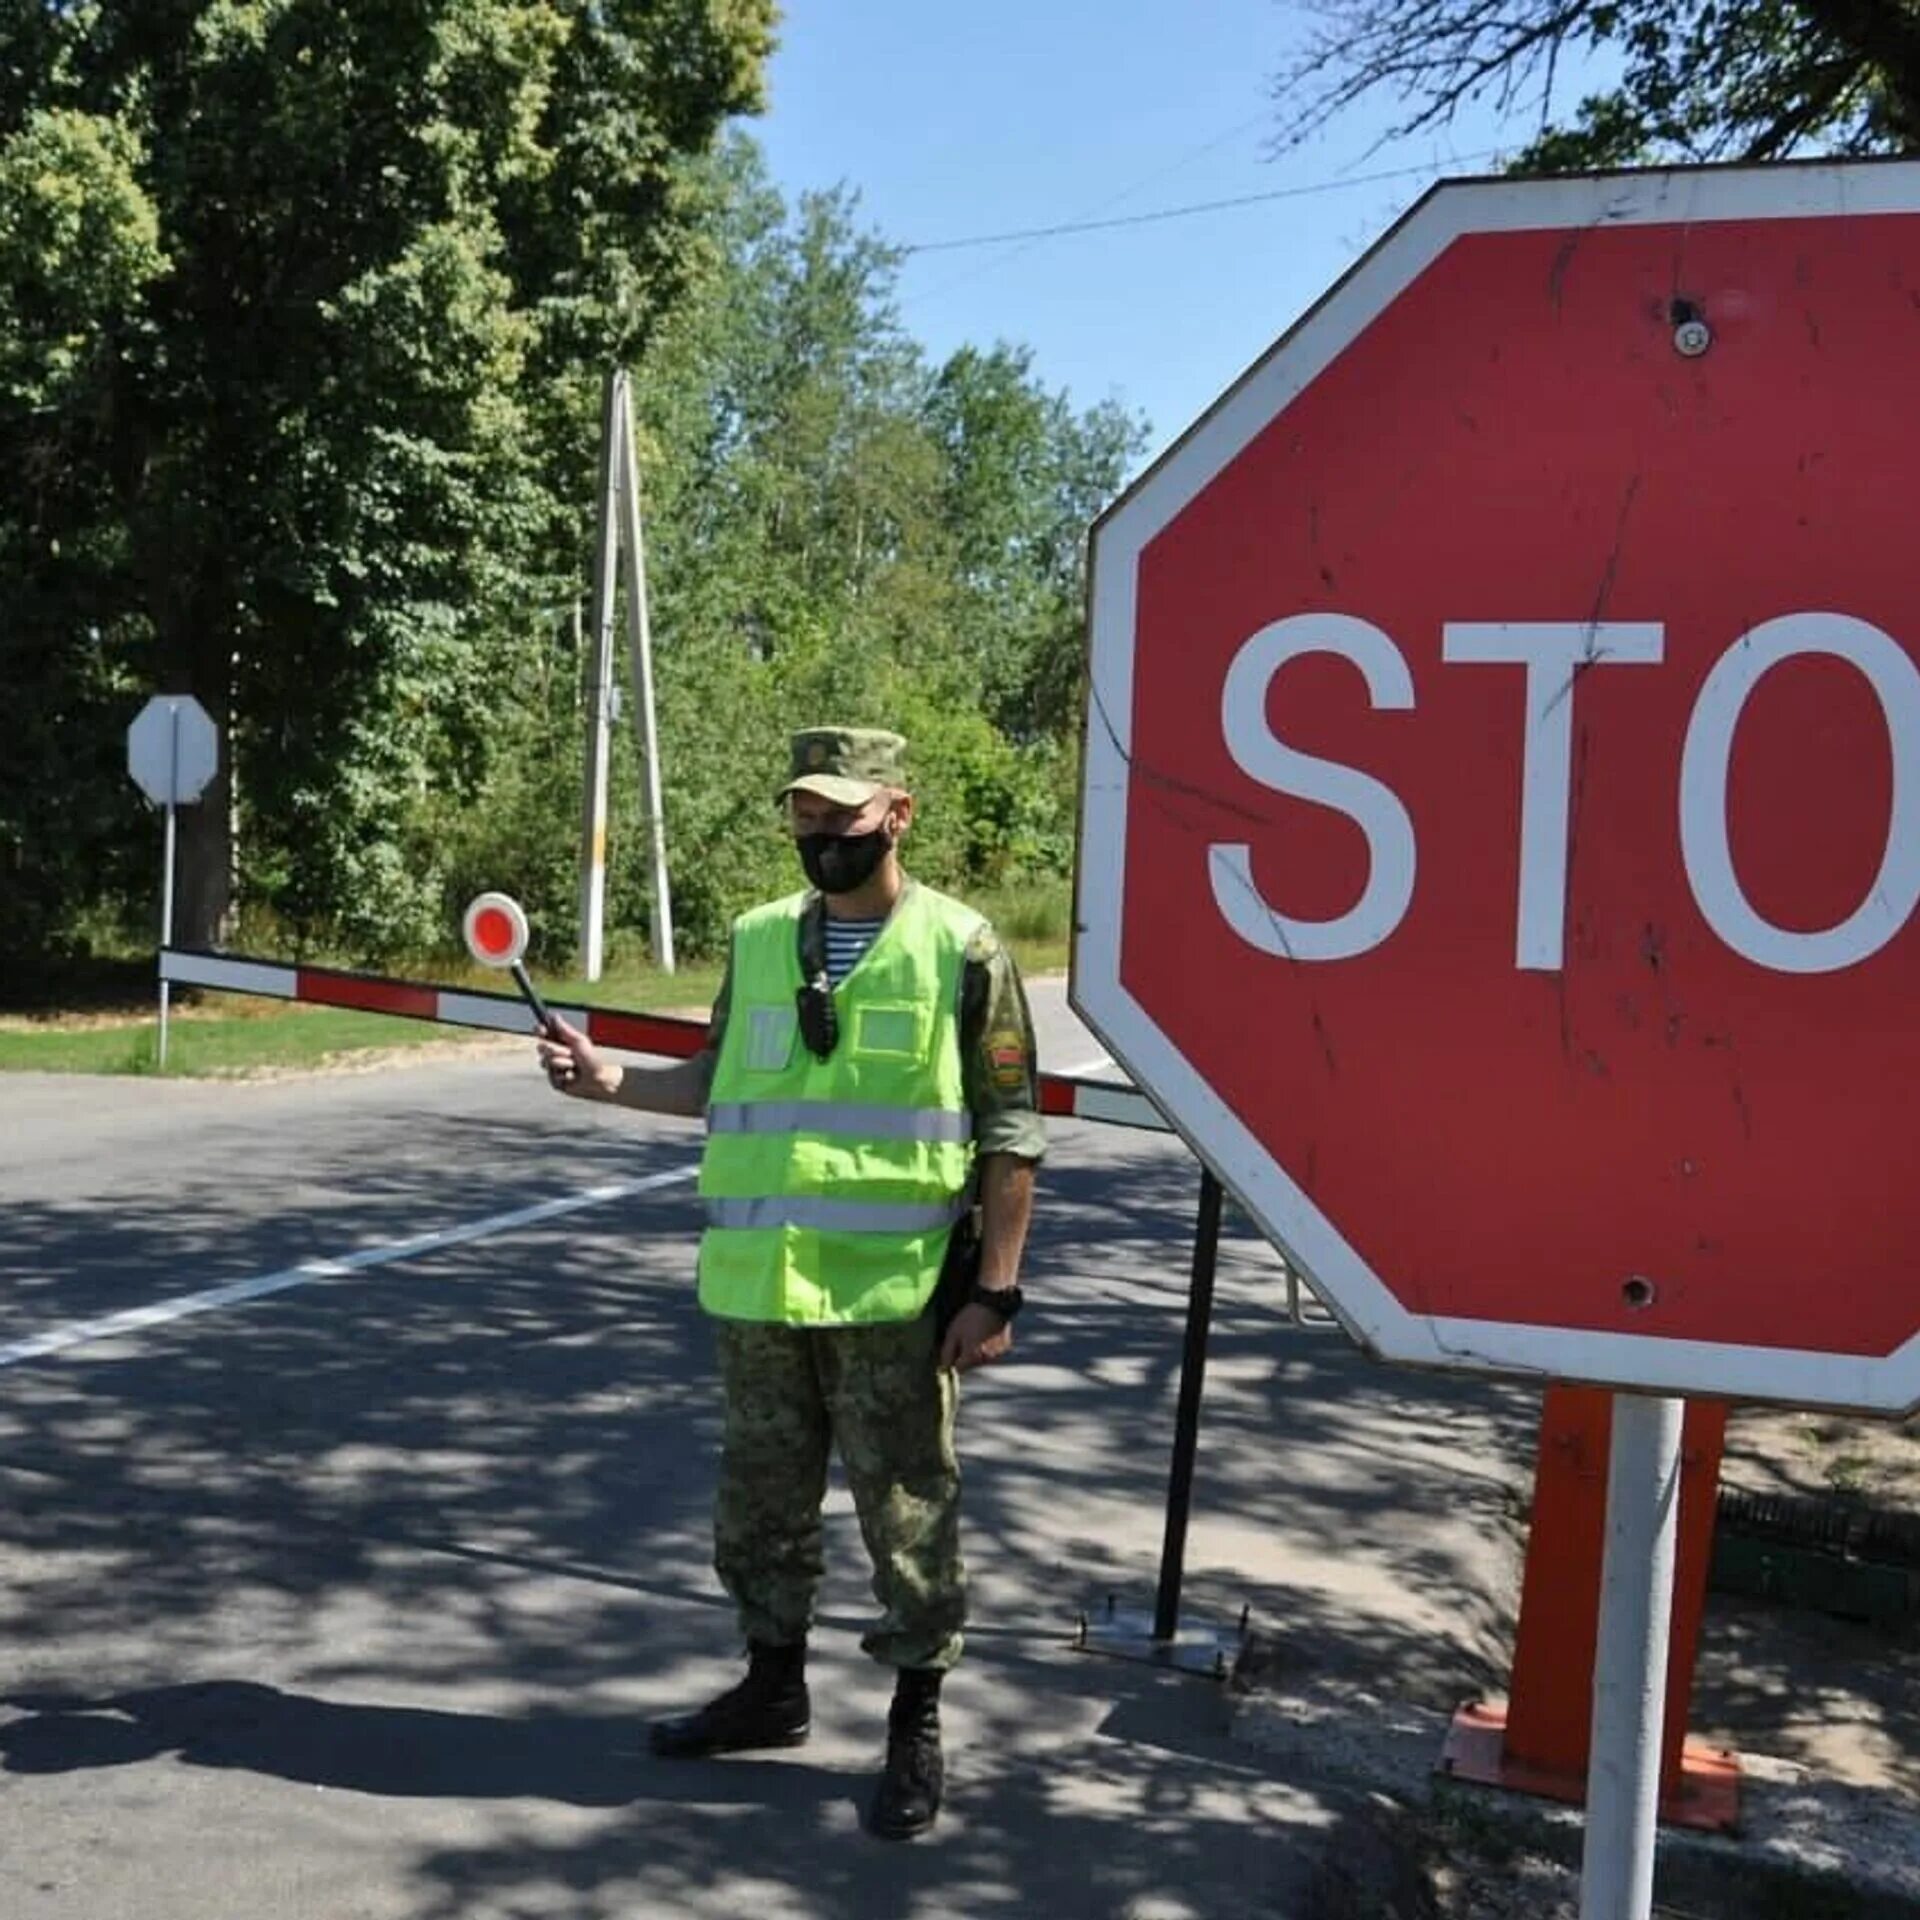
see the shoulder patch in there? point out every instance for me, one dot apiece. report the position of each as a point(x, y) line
point(1007, 1057)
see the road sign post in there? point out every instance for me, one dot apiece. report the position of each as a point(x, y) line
point(1630, 1657)
point(173, 752)
point(1501, 811)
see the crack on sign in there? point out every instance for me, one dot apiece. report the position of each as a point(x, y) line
point(1715, 1042)
point(1162, 787)
point(1321, 1034)
point(1562, 261)
point(1313, 546)
point(1612, 570)
point(1564, 255)
point(1272, 914)
point(1161, 784)
point(1477, 1357)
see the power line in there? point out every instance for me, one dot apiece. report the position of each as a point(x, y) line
point(1197, 206)
point(1009, 254)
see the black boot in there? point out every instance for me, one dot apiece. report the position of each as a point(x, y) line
point(907, 1800)
point(769, 1708)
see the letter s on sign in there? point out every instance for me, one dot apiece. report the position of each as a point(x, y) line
point(1375, 809)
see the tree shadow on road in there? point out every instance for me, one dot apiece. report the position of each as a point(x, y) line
point(490, 1468)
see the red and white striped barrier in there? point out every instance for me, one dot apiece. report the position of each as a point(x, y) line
point(1111, 1103)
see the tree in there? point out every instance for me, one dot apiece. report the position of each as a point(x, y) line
point(79, 251)
point(834, 528)
point(1024, 477)
point(1698, 79)
point(333, 408)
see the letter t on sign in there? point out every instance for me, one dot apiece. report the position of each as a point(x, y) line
point(1555, 654)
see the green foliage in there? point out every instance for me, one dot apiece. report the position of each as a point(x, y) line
point(79, 244)
point(305, 307)
point(1698, 80)
point(301, 307)
point(840, 529)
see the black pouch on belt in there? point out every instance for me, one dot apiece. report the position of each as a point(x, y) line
point(959, 1271)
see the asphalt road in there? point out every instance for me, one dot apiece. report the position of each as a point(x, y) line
point(342, 1579)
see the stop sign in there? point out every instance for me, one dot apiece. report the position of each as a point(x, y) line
point(1501, 823)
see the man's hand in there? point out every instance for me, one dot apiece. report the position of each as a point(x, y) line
point(575, 1065)
point(975, 1336)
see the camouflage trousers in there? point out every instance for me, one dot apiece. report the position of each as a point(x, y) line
point(792, 1393)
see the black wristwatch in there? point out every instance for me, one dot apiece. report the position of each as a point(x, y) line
point(1005, 1301)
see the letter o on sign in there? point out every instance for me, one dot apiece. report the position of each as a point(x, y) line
point(1704, 763)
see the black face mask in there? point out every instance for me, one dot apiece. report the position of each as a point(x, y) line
point(840, 862)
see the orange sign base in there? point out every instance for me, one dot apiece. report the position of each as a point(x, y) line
point(1538, 1742)
point(1706, 1794)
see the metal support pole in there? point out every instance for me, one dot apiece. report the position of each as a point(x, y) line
point(593, 819)
point(640, 645)
point(166, 927)
point(1186, 1431)
point(1630, 1658)
point(166, 875)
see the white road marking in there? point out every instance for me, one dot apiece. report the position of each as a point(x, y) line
point(80, 1333)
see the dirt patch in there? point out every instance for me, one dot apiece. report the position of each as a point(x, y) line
point(1824, 1455)
point(1391, 1861)
point(373, 1060)
point(84, 1022)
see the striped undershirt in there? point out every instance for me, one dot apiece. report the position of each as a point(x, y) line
point(847, 940)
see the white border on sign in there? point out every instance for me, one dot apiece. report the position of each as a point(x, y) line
point(1311, 1241)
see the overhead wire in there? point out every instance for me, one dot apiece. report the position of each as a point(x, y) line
point(1098, 207)
point(1192, 207)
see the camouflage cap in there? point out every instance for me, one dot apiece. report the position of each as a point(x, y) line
point(846, 765)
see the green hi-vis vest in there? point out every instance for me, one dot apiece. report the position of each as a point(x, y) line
point(832, 1186)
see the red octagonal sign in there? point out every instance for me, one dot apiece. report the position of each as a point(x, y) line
point(1501, 828)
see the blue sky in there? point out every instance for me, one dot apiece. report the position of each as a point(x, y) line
point(1007, 114)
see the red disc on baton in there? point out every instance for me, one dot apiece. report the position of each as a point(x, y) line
point(492, 931)
point(495, 929)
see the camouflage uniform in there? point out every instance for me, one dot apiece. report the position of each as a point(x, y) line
point(792, 1392)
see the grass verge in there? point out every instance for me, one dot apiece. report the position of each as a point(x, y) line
point(224, 1034)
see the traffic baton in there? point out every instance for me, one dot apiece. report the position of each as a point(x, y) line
point(495, 928)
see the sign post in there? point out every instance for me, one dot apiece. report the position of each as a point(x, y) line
point(1630, 1657)
point(173, 752)
point(1501, 817)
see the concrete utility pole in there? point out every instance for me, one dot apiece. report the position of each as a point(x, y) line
point(618, 539)
point(640, 647)
point(593, 819)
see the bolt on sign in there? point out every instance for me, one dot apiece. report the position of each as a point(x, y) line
point(1501, 824)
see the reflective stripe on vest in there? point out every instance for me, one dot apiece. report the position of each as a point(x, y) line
point(841, 1116)
point(833, 1216)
